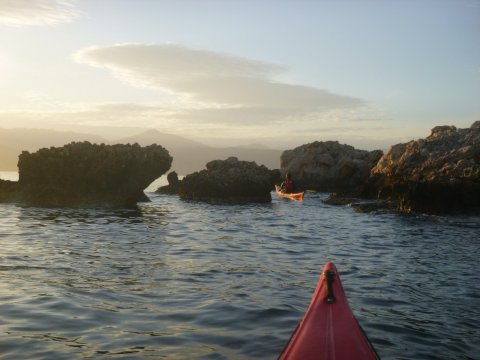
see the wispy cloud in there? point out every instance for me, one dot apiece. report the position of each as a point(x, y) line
point(36, 12)
point(213, 86)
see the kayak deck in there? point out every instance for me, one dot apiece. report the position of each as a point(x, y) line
point(329, 329)
point(293, 196)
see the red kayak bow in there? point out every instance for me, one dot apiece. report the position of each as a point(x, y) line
point(329, 330)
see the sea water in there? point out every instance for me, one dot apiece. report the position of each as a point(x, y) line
point(177, 279)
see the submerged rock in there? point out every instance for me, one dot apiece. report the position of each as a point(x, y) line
point(439, 174)
point(229, 180)
point(329, 166)
point(85, 174)
point(359, 204)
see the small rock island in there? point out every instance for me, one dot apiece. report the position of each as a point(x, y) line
point(81, 174)
point(229, 180)
point(329, 166)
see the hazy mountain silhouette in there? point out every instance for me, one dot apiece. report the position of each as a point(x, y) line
point(168, 141)
point(8, 158)
point(188, 155)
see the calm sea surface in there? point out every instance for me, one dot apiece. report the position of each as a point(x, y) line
point(187, 280)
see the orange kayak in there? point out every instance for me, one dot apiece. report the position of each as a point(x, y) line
point(294, 196)
point(329, 329)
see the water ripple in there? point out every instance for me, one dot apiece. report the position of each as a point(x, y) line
point(186, 280)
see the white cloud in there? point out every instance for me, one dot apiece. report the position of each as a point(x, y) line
point(36, 12)
point(223, 88)
point(164, 65)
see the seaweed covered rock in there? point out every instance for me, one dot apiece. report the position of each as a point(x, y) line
point(85, 174)
point(439, 174)
point(329, 166)
point(229, 180)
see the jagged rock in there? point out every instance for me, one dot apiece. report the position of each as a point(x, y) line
point(85, 174)
point(328, 166)
point(439, 174)
point(229, 180)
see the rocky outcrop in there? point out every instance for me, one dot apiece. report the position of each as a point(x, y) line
point(9, 190)
point(229, 180)
point(439, 174)
point(85, 174)
point(173, 185)
point(329, 166)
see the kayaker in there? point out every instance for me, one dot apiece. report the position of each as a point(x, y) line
point(287, 184)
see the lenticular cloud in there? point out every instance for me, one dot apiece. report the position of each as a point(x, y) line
point(211, 78)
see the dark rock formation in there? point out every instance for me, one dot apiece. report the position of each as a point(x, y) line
point(329, 166)
point(85, 174)
point(9, 190)
point(173, 185)
point(229, 180)
point(439, 174)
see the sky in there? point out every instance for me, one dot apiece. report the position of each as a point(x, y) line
point(368, 73)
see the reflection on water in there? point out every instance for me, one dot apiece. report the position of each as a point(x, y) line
point(187, 280)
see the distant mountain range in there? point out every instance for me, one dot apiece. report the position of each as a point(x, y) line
point(188, 155)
